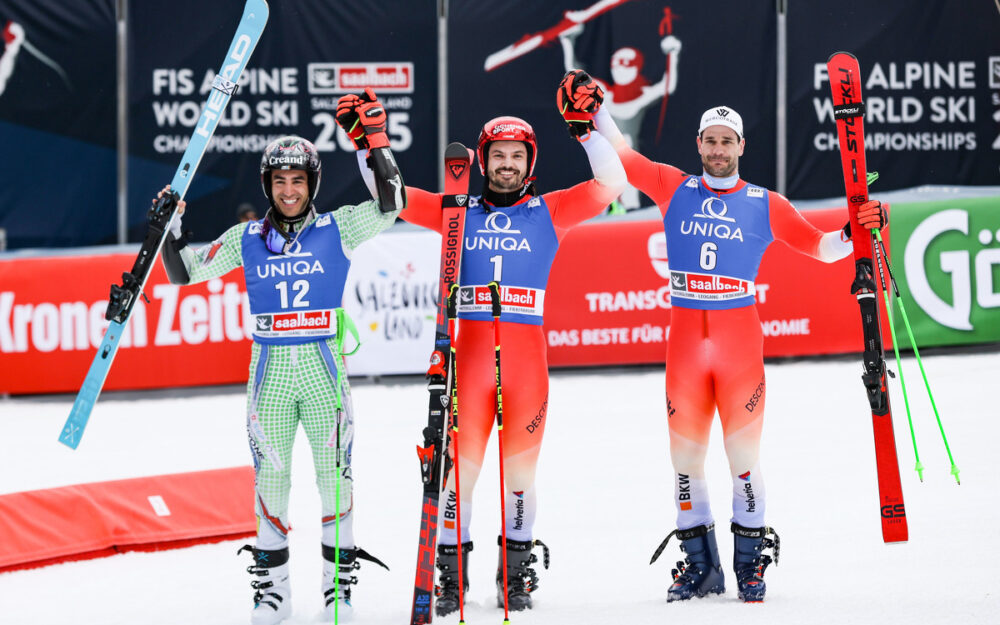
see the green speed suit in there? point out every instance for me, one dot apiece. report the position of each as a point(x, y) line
point(296, 368)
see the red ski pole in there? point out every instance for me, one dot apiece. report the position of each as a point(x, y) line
point(495, 298)
point(453, 404)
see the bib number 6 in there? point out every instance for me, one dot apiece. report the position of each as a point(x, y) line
point(708, 258)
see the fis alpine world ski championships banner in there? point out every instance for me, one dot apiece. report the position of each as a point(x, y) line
point(310, 55)
point(930, 75)
point(662, 64)
point(57, 122)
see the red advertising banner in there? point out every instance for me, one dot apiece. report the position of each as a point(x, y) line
point(52, 320)
point(607, 303)
point(608, 299)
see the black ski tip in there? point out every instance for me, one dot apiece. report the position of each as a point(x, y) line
point(841, 52)
point(456, 150)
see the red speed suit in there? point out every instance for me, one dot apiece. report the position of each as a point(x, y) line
point(524, 367)
point(715, 352)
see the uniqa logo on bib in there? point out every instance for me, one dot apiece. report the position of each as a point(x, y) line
point(497, 223)
point(942, 279)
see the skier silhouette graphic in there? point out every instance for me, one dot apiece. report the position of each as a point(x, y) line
point(629, 93)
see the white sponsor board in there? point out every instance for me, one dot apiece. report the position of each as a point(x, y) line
point(391, 294)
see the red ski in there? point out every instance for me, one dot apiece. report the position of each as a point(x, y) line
point(848, 112)
point(434, 463)
point(531, 41)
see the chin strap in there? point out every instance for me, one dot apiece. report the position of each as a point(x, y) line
point(508, 198)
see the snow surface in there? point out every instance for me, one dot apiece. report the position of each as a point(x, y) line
point(605, 503)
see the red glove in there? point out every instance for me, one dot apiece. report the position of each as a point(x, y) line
point(363, 118)
point(578, 98)
point(872, 215)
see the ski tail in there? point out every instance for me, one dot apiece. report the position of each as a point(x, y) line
point(848, 107)
point(124, 297)
point(434, 461)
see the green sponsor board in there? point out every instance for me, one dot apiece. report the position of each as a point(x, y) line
point(946, 258)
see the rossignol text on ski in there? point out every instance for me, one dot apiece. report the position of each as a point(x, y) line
point(434, 461)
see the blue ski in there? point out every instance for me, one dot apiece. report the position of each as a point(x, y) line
point(124, 297)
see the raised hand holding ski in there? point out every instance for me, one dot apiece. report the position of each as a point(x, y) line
point(160, 216)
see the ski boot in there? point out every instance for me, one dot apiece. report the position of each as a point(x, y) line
point(273, 595)
point(521, 579)
point(700, 573)
point(349, 562)
point(447, 589)
point(749, 561)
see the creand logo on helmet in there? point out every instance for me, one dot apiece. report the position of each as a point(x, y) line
point(300, 160)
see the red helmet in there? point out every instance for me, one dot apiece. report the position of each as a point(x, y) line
point(508, 129)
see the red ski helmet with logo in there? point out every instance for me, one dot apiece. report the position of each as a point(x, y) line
point(508, 129)
point(291, 152)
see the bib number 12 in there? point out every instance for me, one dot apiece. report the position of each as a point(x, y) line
point(300, 289)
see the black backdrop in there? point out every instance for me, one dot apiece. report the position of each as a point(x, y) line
point(932, 82)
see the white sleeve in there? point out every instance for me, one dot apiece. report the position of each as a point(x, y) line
point(833, 247)
point(604, 162)
point(607, 127)
point(366, 173)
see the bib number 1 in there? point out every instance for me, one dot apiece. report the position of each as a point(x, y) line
point(497, 267)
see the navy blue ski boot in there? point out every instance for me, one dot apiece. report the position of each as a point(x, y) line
point(750, 561)
point(700, 573)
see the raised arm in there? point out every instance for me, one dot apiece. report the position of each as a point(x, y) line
point(364, 119)
point(423, 208)
point(587, 199)
point(187, 266)
point(577, 98)
point(657, 180)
